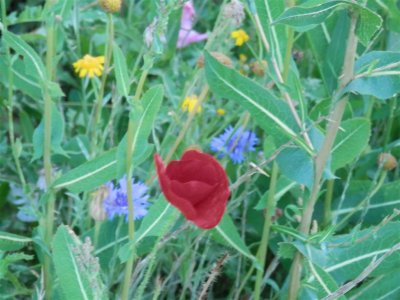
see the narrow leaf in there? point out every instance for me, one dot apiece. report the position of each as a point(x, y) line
point(90, 174)
point(75, 268)
point(121, 71)
point(12, 242)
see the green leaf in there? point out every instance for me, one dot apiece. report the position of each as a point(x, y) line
point(296, 165)
point(324, 283)
point(381, 77)
point(143, 117)
point(272, 115)
point(157, 222)
point(351, 140)
point(276, 35)
point(386, 287)
point(12, 242)
point(33, 63)
point(379, 206)
point(121, 71)
point(227, 231)
point(327, 40)
point(91, 174)
point(159, 217)
point(75, 268)
point(57, 134)
point(308, 15)
point(345, 256)
point(21, 81)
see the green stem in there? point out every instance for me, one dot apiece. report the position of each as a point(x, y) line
point(50, 55)
point(389, 124)
point(328, 202)
point(262, 250)
point(10, 104)
point(323, 155)
point(129, 171)
point(289, 46)
point(100, 95)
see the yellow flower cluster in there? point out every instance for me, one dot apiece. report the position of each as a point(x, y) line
point(220, 112)
point(240, 36)
point(111, 6)
point(190, 103)
point(89, 65)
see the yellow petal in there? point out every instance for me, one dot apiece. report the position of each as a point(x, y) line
point(83, 73)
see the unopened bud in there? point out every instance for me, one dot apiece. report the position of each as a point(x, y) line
point(314, 227)
point(96, 207)
point(222, 58)
point(234, 10)
point(388, 161)
point(298, 55)
point(258, 67)
point(111, 6)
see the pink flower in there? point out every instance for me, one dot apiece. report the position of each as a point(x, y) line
point(186, 33)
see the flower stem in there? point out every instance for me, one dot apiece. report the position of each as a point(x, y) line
point(189, 120)
point(49, 221)
point(323, 155)
point(10, 104)
point(129, 171)
point(99, 100)
point(262, 250)
point(328, 202)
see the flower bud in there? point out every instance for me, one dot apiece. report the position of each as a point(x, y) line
point(298, 55)
point(258, 68)
point(111, 6)
point(222, 58)
point(388, 161)
point(96, 207)
point(234, 10)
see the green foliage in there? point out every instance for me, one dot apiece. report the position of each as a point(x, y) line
point(350, 141)
point(12, 242)
point(314, 12)
point(296, 62)
point(91, 174)
point(76, 268)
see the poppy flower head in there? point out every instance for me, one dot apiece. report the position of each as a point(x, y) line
point(197, 185)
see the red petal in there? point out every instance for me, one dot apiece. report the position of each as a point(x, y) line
point(197, 185)
point(194, 191)
point(210, 212)
point(181, 203)
point(192, 170)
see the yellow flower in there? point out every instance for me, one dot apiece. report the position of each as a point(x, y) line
point(240, 36)
point(89, 65)
point(190, 102)
point(111, 6)
point(220, 111)
point(242, 58)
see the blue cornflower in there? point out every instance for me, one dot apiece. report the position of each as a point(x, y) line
point(116, 202)
point(234, 143)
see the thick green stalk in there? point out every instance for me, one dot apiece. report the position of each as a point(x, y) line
point(100, 95)
point(129, 171)
point(49, 221)
point(323, 155)
point(262, 250)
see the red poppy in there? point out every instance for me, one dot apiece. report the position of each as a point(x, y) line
point(197, 185)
